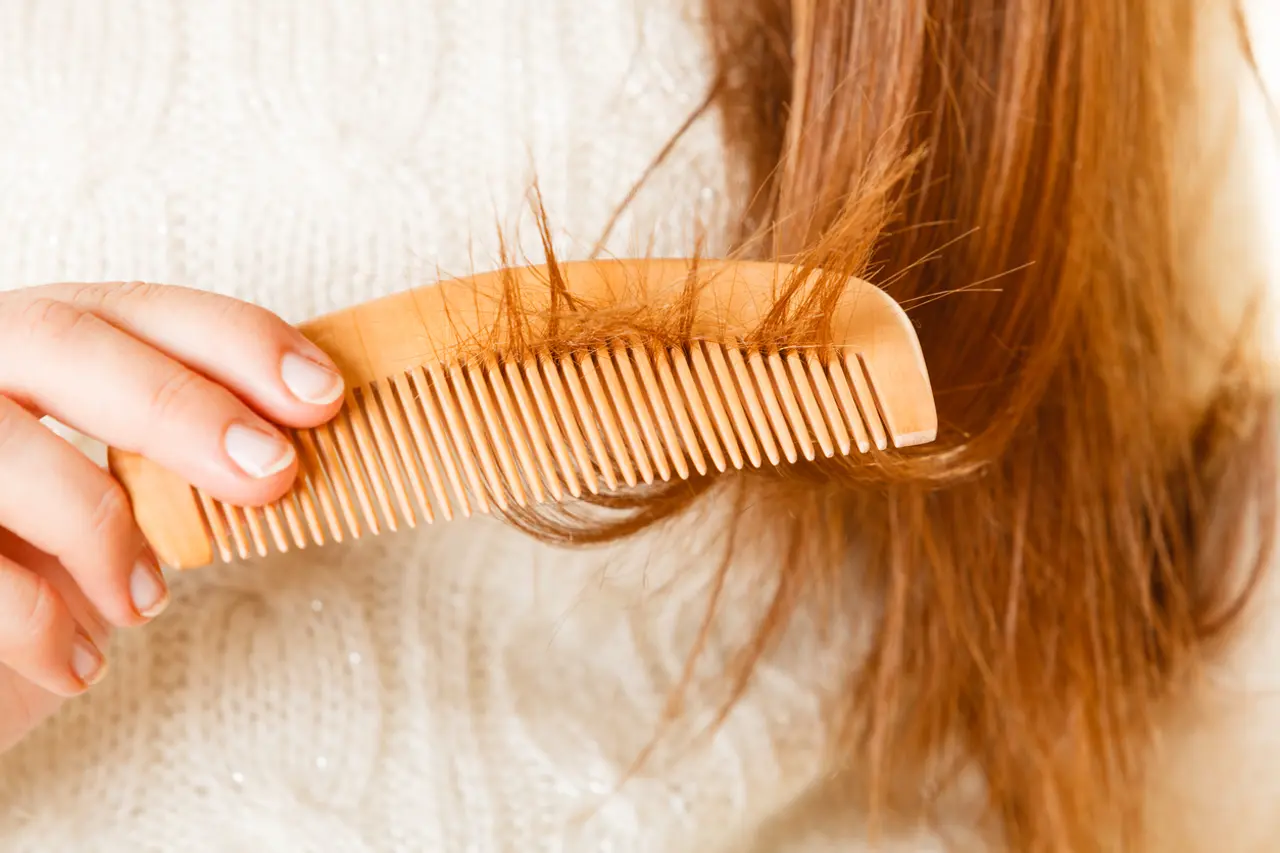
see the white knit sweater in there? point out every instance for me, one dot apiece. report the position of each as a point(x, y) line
point(457, 688)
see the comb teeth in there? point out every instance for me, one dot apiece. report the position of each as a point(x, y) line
point(437, 442)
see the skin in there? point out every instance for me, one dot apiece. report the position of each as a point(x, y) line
point(192, 380)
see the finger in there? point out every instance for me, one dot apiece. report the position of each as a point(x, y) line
point(38, 638)
point(48, 567)
point(104, 383)
point(56, 499)
point(242, 346)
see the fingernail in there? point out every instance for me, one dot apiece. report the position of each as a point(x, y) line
point(147, 588)
point(310, 381)
point(86, 661)
point(259, 454)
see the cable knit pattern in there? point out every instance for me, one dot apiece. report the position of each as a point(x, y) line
point(450, 689)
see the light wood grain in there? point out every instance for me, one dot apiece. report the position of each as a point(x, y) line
point(436, 428)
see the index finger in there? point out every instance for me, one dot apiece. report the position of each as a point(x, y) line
point(105, 383)
point(247, 349)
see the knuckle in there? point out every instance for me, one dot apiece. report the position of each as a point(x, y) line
point(51, 318)
point(173, 393)
point(111, 521)
point(129, 291)
point(91, 296)
point(37, 612)
point(244, 315)
point(247, 319)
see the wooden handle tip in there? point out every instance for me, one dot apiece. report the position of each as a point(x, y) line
point(166, 510)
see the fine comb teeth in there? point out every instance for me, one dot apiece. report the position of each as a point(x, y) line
point(432, 430)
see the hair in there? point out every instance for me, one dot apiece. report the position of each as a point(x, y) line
point(1059, 563)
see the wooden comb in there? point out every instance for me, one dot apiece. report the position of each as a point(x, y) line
point(434, 427)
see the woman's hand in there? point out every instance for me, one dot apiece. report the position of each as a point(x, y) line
point(186, 378)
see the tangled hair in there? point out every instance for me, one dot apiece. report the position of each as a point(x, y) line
point(1056, 567)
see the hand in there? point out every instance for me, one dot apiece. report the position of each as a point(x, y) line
point(188, 379)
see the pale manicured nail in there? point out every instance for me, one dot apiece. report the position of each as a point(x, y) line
point(310, 382)
point(147, 588)
point(259, 454)
point(86, 661)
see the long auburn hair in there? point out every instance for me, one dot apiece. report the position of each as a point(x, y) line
point(1057, 564)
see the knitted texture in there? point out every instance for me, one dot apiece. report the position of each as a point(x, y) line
point(457, 688)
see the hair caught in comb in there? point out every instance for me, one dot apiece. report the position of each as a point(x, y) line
point(1055, 566)
point(469, 381)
